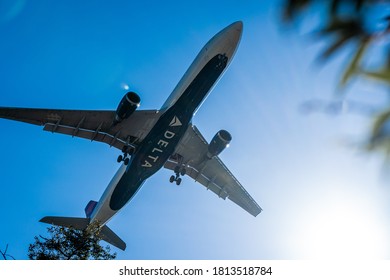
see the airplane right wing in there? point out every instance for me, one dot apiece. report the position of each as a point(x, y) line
point(211, 173)
point(88, 124)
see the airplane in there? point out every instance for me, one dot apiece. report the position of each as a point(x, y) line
point(152, 139)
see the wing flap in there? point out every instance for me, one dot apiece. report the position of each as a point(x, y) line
point(93, 135)
point(88, 124)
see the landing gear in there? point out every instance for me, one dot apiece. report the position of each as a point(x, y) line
point(123, 158)
point(181, 171)
point(176, 178)
point(127, 151)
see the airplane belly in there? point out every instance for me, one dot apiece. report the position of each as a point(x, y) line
point(161, 141)
point(150, 157)
point(102, 212)
point(125, 190)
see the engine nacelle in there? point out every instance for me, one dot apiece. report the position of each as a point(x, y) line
point(127, 106)
point(219, 142)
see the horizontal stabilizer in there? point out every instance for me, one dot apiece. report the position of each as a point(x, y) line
point(106, 233)
point(110, 237)
point(76, 223)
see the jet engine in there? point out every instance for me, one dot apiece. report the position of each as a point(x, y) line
point(127, 106)
point(219, 142)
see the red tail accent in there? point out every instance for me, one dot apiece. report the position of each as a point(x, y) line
point(89, 208)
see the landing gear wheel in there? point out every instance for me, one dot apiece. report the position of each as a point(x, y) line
point(172, 179)
point(126, 161)
point(183, 171)
point(178, 181)
point(120, 158)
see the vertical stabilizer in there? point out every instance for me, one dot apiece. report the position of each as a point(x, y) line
point(89, 208)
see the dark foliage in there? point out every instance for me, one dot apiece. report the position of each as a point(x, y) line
point(70, 244)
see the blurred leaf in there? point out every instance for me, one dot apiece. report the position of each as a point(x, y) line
point(344, 30)
point(383, 75)
point(334, 7)
point(354, 65)
point(387, 19)
point(357, 4)
point(293, 7)
point(380, 134)
point(332, 48)
point(345, 21)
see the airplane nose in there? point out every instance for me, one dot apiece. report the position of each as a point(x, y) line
point(233, 32)
point(232, 37)
point(225, 42)
point(238, 25)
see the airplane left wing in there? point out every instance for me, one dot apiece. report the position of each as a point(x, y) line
point(88, 124)
point(211, 173)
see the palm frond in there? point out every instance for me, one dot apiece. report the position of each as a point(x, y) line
point(354, 66)
point(344, 30)
point(293, 7)
point(382, 75)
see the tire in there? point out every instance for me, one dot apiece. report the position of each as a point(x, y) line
point(183, 171)
point(120, 158)
point(126, 161)
point(178, 181)
point(172, 179)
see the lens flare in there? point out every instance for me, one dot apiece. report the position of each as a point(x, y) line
point(125, 86)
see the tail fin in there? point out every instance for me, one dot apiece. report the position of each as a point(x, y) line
point(89, 208)
point(82, 223)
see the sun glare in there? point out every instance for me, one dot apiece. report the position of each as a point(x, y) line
point(125, 86)
point(345, 227)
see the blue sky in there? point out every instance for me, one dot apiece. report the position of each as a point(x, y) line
point(322, 196)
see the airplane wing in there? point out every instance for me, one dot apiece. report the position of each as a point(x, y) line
point(88, 124)
point(211, 173)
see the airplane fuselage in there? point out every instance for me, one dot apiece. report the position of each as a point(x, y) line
point(162, 140)
point(177, 112)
